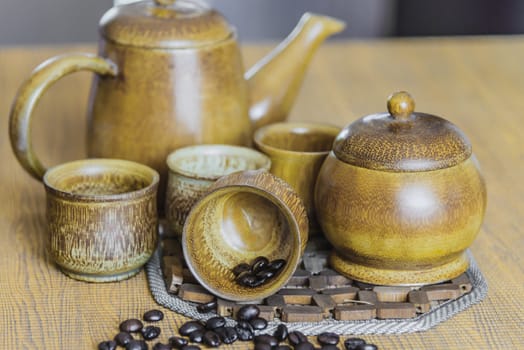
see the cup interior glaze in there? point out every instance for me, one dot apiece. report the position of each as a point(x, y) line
point(244, 216)
point(301, 138)
point(107, 179)
point(210, 162)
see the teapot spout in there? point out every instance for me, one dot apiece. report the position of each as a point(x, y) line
point(275, 80)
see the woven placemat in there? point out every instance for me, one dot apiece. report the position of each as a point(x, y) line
point(422, 322)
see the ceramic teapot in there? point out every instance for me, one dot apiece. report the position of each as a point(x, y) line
point(170, 74)
point(400, 197)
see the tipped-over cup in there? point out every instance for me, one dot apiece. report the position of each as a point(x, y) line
point(244, 216)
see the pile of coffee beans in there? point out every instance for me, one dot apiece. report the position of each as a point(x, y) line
point(215, 331)
point(132, 328)
point(259, 272)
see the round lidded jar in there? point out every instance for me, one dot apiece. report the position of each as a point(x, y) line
point(400, 197)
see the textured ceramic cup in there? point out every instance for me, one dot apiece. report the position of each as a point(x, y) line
point(102, 218)
point(192, 170)
point(297, 151)
point(245, 215)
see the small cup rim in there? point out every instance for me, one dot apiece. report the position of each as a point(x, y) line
point(106, 163)
point(209, 149)
point(288, 126)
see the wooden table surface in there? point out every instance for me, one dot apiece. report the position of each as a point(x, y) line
point(477, 83)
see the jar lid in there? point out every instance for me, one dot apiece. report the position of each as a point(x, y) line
point(165, 24)
point(401, 140)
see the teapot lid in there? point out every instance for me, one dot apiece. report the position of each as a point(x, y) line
point(165, 24)
point(401, 140)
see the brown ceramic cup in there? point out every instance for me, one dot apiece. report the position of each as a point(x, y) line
point(245, 215)
point(297, 151)
point(102, 218)
point(192, 170)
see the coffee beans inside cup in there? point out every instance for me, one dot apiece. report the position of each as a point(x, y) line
point(259, 272)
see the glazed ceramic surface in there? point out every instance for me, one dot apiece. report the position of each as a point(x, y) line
point(400, 198)
point(102, 218)
point(169, 75)
point(297, 151)
point(245, 215)
point(192, 170)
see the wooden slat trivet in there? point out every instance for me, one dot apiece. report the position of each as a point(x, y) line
point(301, 313)
point(322, 293)
point(396, 310)
point(419, 299)
point(392, 294)
point(355, 312)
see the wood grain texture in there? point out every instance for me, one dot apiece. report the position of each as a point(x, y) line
point(478, 83)
point(399, 228)
point(402, 143)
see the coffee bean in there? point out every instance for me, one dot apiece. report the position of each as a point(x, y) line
point(123, 338)
point(207, 307)
point(248, 312)
point(352, 343)
point(215, 322)
point(197, 336)
point(237, 270)
point(245, 325)
point(282, 347)
point(153, 316)
point(136, 345)
point(281, 332)
point(265, 274)
point(258, 323)
point(190, 347)
point(296, 337)
point(277, 265)
point(259, 264)
point(262, 346)
point(150, 332)
point(189, 327)
point(304, 346)
point(246, 279)
point(131, 326)
point(178, 342)
point(228, 335)
point(211, 339)
point(160, 346)
point(244, 331)
point(258, 282)
point(107, 345)
point(266, 338)
point(329, 347)
point(366, 347)
point(328, 338)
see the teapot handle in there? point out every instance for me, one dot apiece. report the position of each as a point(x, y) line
point(30, 92)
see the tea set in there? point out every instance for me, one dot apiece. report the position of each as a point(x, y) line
point(171, 118)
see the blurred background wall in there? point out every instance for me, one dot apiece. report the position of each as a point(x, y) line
point(25, 22)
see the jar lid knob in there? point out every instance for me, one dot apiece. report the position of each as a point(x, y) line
point(401, 105)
